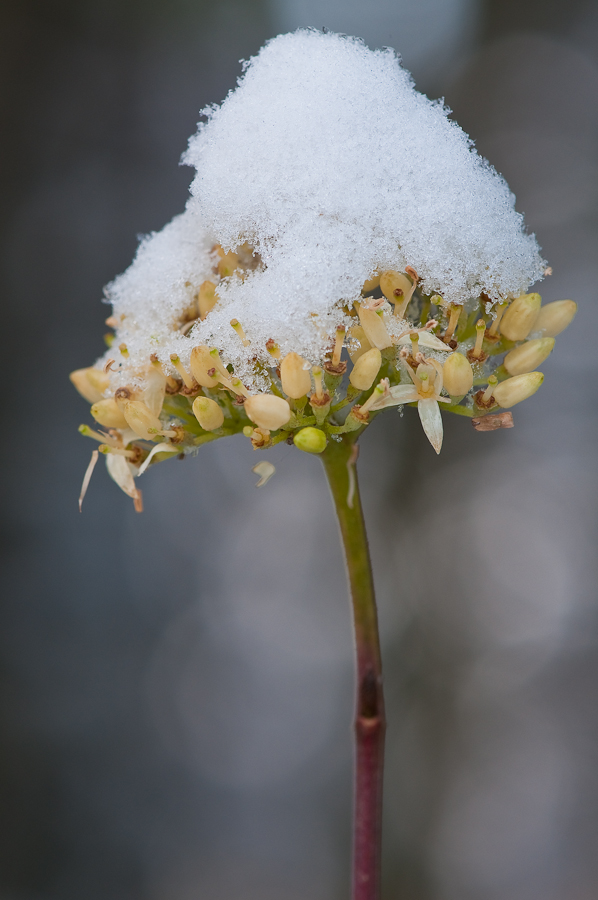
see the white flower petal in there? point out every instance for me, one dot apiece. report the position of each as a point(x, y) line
point(403, 393)
point(157, 448)
point(429, 413)
point(425, 339)
point(265, 470)
point(87, 477)
point(122, 472)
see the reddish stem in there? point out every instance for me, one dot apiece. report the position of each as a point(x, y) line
point(370, 723)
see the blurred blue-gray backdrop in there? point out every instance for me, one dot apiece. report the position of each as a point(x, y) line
point(176, 688)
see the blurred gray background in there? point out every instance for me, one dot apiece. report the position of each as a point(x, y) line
point(176, 688)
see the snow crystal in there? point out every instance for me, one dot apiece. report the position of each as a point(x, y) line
point(329, 163)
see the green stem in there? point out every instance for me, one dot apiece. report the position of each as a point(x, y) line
point(370, 724)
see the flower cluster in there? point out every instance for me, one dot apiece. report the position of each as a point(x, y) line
point(401, 347)
point(331, 262)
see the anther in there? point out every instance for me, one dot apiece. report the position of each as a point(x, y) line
point(338, 345)
point(123, 350)
point(187, 379)
point(238, 329)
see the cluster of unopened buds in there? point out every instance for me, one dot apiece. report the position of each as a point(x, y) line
point(403, 347)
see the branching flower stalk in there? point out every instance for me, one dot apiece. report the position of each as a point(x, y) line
point(323, 271)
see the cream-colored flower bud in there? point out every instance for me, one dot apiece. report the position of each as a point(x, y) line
point(201, 363)
point(358, 334)
point(516, 389)
point(528, 356)
point(366, 369)
point(395, 286)
point(520, 317)
point(208, 413)
point(91, 383)
point(267, 411)
point(108, 414)
point(206, 298)
point(555, 317)
point(457, 375)
point(370, 284)
point(295, 378)
point(375, 329)
point(142, 420)
point(310, 440)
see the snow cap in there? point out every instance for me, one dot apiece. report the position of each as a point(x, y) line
point(332, 167)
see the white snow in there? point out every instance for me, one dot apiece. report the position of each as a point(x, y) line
point(332, 166)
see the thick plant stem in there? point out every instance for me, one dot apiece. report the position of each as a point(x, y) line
point(370, 724)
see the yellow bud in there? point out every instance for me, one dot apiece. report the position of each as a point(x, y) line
point(91, 383)
point(375, 329)
point(142, 420)
point(207, 412)
point(516, 389)
point(227, 263)
point(310, 440)
point(457, 375)
point(370, 284)
point(555, 317)
point(200, 364)
point(357, 332)
point(395, 286)
point(366, 369)
point(267, 411)
point(206, 298)
point(295, 378)
point(520, 317)
point(108, 414)
point(529, 356)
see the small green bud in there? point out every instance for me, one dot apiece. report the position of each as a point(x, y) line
point(457, 375)
point(529, 356)
point(208, 413)
point(555, 317)
point(516, 389)
point(310, 440)
point(365, 370)
point(520, 317)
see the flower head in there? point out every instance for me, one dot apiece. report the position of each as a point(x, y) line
point(334, 210)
